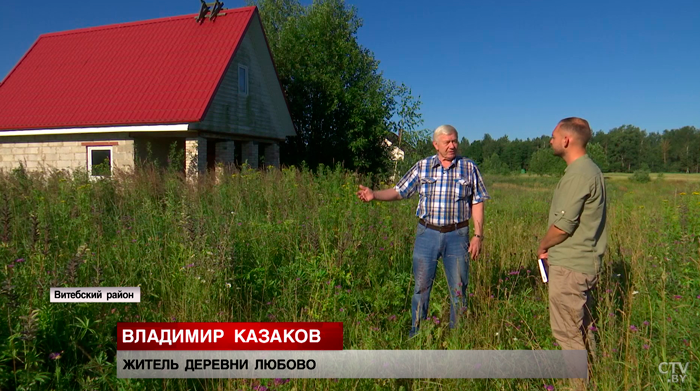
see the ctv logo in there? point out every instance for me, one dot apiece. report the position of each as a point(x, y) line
point(675, 371)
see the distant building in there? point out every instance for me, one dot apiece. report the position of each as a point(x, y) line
point(395, 153)
point(204, 91)
point(392, 141)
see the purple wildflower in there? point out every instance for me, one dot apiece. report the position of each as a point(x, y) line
point(549, 387)
point(279, 382)
point(645, 347)
point(338, 287)
point(270, 316)
point(260, 388)
point(633, 328)
point(646, 323)
point(342, 309)
point(677, 297)
point(19, 260)
point(10, 266)
point(174, 319)
point(515, 272)
point(56, 355)
point(593, 328)
point(189, 266)
point(392, 318)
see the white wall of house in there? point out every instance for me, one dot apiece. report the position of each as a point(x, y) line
point(68, 151)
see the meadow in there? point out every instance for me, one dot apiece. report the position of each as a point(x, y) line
point(291, 245)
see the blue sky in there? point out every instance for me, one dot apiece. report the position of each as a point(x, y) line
point(499, 67)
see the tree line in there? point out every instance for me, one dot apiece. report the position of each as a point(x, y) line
point(343, 108)
point(623, 149)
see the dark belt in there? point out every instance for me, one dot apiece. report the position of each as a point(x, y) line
point(444, 228)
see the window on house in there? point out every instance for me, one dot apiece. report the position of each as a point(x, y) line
point(242, 79)
point(100, 161)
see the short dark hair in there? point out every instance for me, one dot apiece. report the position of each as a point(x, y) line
point(577, 126)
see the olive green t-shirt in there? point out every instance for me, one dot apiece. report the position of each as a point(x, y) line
point(578, 208)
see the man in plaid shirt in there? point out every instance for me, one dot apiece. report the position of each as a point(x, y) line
point(451, 192)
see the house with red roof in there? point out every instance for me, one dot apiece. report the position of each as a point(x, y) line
point(202, 91)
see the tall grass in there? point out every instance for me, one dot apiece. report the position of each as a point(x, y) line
point(291, 245)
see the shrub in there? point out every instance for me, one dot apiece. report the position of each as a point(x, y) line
point(640, 176)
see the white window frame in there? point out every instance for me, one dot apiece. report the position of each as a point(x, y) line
point(100, 148)
point(247, 80)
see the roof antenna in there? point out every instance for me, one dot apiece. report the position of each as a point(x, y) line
point(218, 6)
point(206, 8)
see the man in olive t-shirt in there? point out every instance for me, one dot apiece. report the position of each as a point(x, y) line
point(576, 240)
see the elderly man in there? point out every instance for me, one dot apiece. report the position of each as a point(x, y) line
point(451, 192)
point(576, 239)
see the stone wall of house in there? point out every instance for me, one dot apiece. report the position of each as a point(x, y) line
point(62, 151)
point(195, 155)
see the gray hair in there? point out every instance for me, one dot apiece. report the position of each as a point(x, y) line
point(444, 129)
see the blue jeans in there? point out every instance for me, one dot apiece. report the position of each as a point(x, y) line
point(430, 245)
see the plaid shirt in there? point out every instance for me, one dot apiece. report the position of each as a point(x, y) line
point(446, 194)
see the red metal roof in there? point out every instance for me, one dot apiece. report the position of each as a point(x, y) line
point(160, 71)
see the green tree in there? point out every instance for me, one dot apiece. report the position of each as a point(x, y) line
point(543, 162)
point(341, 105)
point(624, 148)
point(475, 151)
point(597, 154)
point(494, 165)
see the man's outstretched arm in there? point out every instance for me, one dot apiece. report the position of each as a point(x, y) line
point(366, 194)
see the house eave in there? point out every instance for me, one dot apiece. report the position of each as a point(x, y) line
point(104, 129)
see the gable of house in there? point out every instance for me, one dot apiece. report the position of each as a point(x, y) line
point(258, 109)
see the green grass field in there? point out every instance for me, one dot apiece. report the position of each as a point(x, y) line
point(669, 177)
point(295, 246)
